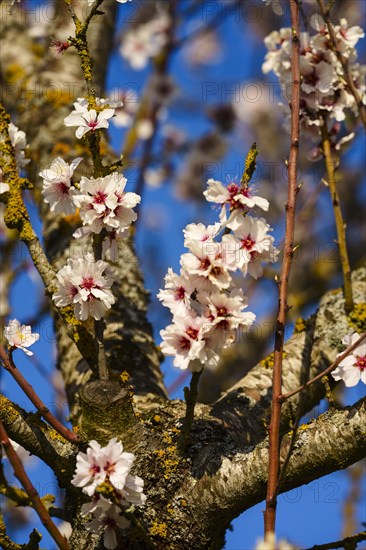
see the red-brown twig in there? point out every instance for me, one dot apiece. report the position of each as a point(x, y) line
point(346, 70)
point(38, 505)
point(326, 371)
point(274, 430)
point(9, 365)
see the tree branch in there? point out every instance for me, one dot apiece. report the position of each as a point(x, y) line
point(240, 482)
point(310, 350)
point(9, 365)
point(38, 438)
point(38, 505)
point(349, 543)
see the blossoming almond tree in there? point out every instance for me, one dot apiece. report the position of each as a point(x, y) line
point(136, 469)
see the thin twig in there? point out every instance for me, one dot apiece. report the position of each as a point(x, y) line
point(349, 543)
point(346, 70)
point(190, 395)
point(38, 505)
point(283, 397)
point(340, 225)
point(9, 365)
point(274, 430)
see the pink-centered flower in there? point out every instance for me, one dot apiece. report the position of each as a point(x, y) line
point(57, 190)
point(87, 119)
point(20, 336)
point(104, 204)
point(352, 368)
point(84, 283)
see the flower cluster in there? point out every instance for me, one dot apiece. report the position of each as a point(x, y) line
point(104, 204)
point(111, 465)
point(206, 303)
point(324, 92)
point(104, 208)
point(19, 142)
point(353, 367)
point(20, 336)
point(145, 41)
point(85, 284)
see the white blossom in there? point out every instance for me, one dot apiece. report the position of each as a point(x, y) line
point(269, 543)
point(146, 41)
point(104, 204)
point(183, 340)
point(109, 464)
point(239, 199)
point(57, 190)
point(109, 520)
point(207, 306)
point(19, 142)
point(88, 119)
point(20, 336)
point(83, 283)
point(324, 91)
point(352, 368)
point(177, 293)
point(252, 244)
point(4, 187)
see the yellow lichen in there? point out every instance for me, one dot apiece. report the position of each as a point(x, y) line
point(357, 317)
point(268, 361)
point(159, 530)
point(300, 325)
point(125, 376)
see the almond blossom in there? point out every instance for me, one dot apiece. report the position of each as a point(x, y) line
point(184, 341)
point(104, 204)
point(270, 543)
point(109, 520)
point(4, 187)
point(146, 41)
point(238, 198)
point(19, 143)
point(206, 304)
point(177, 293)
point(84, 284)
point(57, 190)
point(324, 92)
point(352, 368)
point(88, 119)
point(252, 245)
point(20, 336)
point(112, 465)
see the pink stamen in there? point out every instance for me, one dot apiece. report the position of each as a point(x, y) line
point(360, 362)
point(63, 188)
